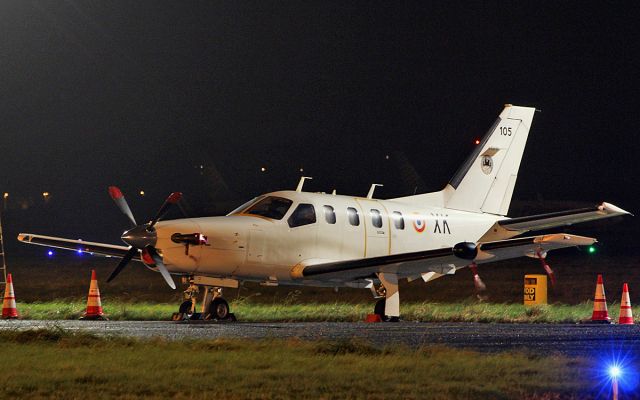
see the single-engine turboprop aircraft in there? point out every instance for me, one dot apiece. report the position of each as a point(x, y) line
point(318, 239)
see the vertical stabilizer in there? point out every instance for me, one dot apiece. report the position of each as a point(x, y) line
point(485, 182)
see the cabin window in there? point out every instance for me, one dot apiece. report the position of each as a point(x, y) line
point(354, 218)
point(270, 207)
point(329, 214)
point(304, 214)
point(398, 220)
point(376, 218)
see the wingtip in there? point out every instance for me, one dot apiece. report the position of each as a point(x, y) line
point(613, 209)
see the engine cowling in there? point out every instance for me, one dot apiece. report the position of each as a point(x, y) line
point(465, 250)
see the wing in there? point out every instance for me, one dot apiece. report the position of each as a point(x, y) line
point(431, 264)
point(100, 249)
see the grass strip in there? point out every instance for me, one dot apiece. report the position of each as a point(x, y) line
point(54, 363)
point(424, 312)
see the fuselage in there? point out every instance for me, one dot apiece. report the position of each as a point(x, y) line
point(266, 238)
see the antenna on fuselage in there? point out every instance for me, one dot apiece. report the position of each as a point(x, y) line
point(334, 192)
point(301, 183)
point(373, 189)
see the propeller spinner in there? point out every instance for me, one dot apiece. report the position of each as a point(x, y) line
point(142, 238)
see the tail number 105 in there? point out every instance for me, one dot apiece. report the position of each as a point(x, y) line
point(505, 131)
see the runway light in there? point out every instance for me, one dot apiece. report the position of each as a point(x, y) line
point(592, 250)
point(50, 253)
point(5, 195)
point(615, 371)
point(79, 251)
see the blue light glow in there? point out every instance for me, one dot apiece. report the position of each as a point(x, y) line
point(617, 366)
point(615, 371)
point(50, 253)
point(79, 252)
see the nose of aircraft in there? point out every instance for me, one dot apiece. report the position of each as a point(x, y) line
point(140, 237)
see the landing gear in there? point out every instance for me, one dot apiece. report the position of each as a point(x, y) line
point(214, 307)
point(219, 309)
point(379, 310)
point(388, 307)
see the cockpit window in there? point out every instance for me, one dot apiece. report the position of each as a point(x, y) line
point(304, 214)
point(246, 205)
point(270, 207)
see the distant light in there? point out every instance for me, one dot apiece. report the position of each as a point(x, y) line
point(45, 194)
point(301, 169)
point(5, 195)
point(592, 249)
point(142, 193)
point(50, 253)
point(615, 371)
point(263, 169)
point(386, 157)
point(477, 141)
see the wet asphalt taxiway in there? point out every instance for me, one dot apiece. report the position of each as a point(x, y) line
point(538, 338)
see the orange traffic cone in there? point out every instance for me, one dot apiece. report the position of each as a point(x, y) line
point(626, 317)
point(600, 314)
point(94, 306)
point(9, 309)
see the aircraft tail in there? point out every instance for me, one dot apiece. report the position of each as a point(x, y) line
point(485, 182)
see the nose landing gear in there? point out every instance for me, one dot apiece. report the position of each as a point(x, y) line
point(214, 307)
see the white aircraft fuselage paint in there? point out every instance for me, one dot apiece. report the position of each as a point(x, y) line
point(256, 248)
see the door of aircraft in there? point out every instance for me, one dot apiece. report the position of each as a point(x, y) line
point(302, 231)
point(376, 223)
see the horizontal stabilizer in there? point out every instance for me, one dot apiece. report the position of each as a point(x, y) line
point(100, 249)
point(562, 218)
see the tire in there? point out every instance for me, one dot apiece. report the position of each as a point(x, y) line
point(219, 309)
point(185, 307)
point(379, 308)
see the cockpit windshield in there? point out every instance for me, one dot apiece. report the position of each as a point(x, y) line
point(270, 207)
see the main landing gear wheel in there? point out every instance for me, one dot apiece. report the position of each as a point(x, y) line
point(185, 311)
point(379, 310)
point(219, 309)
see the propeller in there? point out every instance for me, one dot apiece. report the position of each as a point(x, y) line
point(477, 281)
point(142, 237)
point(546, 267)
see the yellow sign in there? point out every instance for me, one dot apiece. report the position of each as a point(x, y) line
point(535, 289)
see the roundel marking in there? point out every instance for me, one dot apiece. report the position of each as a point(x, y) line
point(419, 225)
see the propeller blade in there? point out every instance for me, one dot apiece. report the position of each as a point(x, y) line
point(118, 197)
point(171, 200)
point(125, 260)
point(477, 281)
point(161, 267)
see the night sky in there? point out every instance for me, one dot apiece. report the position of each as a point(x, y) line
point(198, 96)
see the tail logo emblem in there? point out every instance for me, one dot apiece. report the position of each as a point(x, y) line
point(487, 164)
